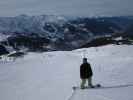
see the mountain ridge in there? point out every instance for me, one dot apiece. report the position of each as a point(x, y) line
point(63, 33)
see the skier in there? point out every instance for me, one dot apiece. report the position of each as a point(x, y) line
point(86, 74)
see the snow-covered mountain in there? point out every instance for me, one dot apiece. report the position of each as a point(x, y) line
point(51, 75)
point(53, 24)
point(27, 24)
point(59, 32)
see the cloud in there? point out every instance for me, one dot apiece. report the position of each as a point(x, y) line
point(67, 7)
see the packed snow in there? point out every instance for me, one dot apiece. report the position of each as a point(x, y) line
point(51, 75)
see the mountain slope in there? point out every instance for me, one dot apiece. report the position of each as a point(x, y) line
point(51, 75)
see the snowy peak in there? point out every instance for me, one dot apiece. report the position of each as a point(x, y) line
point(24, 23)
point(35, 24)
point(59, 32)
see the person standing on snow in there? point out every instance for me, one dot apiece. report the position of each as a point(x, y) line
point(86, 74)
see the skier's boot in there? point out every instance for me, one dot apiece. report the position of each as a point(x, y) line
point(91, 86)
point(82, 87)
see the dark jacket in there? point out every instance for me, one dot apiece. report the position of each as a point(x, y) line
point(85, 71)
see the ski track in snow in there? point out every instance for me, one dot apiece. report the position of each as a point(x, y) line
point(51, 75)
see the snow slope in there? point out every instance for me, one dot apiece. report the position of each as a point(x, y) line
point(51, 75)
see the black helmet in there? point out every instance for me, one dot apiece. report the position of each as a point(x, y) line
point(84, 60)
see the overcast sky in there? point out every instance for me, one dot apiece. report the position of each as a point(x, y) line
point(67, 7)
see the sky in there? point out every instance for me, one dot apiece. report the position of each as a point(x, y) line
point(67, 7)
